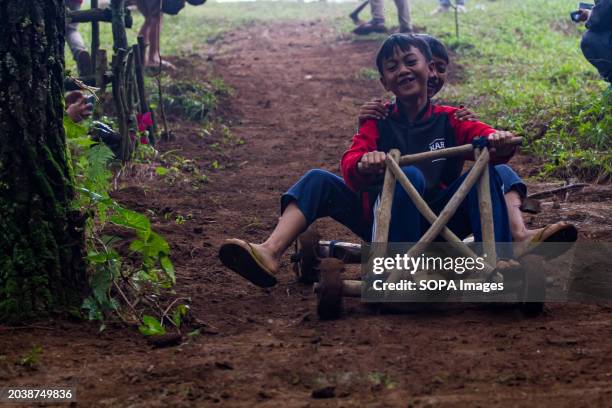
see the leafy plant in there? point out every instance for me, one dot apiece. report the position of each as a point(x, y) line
point(117, 286)
point(188, 100)
point(32, 357)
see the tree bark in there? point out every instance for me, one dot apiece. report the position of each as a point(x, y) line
point(41, 238)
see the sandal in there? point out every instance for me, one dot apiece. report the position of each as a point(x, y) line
point(242, 258)
point(558, 232)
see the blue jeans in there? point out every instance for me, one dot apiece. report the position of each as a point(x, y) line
point(446, 3)
point(320, 193)
point(511, 180)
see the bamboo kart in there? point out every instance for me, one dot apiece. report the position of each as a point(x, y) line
point(326, 273)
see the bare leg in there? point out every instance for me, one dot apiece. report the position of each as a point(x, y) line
point(144, 33)
point(154, 35)
point(515, 217)
point(291, 224)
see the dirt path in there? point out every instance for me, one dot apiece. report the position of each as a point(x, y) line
point(297, 92)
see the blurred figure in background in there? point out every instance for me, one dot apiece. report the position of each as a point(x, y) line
point(78, 107)
point(75, 42)
point(445, 6)
point(377, 23)
point(596, 42)
point(151, 32)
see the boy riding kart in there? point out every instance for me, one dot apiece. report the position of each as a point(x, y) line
point(412, 125)
point(515, 190)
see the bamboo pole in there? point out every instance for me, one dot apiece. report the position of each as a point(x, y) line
point(486, 211)
point(142, 95)
point(448, 152)
point(120, 104)
point(95, 38)
point(93, 15)
point(102, 76)
point(143, 48)
point(130, 81)
point(118, 13)
point(383, 213)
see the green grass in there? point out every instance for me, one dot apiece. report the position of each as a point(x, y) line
point(522, 68)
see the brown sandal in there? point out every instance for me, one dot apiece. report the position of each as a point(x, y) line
point(241, 257)
point(558, 232)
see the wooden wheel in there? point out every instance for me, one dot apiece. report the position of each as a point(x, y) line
point(329, 289)
point(306, 260)
point(533, 290)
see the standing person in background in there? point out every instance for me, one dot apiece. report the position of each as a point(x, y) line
point(75, 42)
point(445, 6)
point(377, 23)
point(596, 42)
point(151, 32)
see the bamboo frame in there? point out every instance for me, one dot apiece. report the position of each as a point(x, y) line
point(95, 38)
point(479, 174)
point(383, 213)
point(485, 206)
point(429, 215)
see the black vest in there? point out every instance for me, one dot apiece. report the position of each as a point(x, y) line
point(432, 133)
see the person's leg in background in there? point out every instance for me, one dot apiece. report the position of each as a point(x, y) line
point(445, 5)
point(77, 45)
point(147, 9)
point(597, 49)
point(155, 22)
point(403, 15)
point(377, 23)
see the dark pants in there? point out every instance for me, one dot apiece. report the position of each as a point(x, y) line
point(320, 193)
point(597, 49)
point(510, 180)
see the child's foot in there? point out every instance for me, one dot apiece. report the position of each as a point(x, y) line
point(558, 232)
point(152, 67)
point(251, 261)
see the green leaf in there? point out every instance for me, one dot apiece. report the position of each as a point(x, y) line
point(138, 245)
point(96, 258)
point(131, 219)
point(73, 130)
point(151, 326)
point(161, 171)
point(167, 266)
point(180, 311)
point(92, 308)
point(158, 245)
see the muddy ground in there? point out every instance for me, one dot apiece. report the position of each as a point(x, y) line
point(297, 92)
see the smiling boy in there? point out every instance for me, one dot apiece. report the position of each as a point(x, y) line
point(413, 125)
point(515, 191)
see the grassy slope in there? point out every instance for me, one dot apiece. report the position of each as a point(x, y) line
point(523, 68)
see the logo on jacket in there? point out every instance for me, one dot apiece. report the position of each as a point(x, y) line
point(437, 144)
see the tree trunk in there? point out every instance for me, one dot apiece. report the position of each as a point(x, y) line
point(41, 238)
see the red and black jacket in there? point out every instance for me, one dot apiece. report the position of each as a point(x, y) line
point(434, 128)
